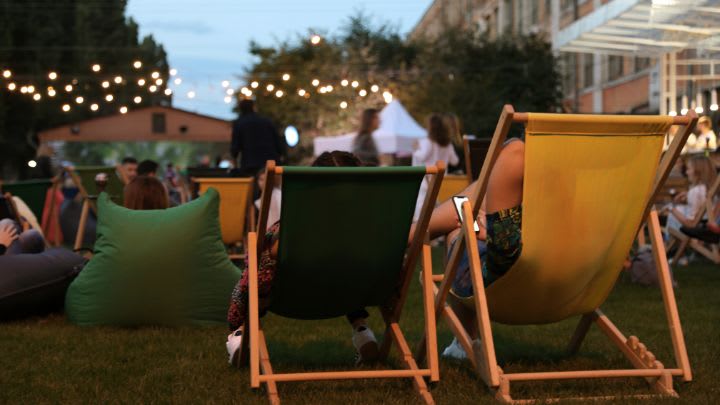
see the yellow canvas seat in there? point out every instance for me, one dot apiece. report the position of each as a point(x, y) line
point(236, 208)
point(589, 183)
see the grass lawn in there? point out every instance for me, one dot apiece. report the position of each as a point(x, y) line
point(47, 360)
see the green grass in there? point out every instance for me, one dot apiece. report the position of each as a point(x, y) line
point(47, 360)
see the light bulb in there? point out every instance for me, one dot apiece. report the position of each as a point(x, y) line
point(105, 84)
point(109, 98)
point(137, 64)
point(96, 68)
point(270, 87)
point(123, 110)
point(141, 82)
point(52, 75)
point(344, 82)
point(343, 105)
point(225, 83)
point(254, 85)
point(363, 93)
point(37, 97)
point(191, 94)
point(374, 88)
point(66, 107)
point(155, 75)
point(354, 83)
point(7, 73)
point(279, 93)
point(94, 107)
point(118, 79)
point(137, 99)
point(173, 72)
point(286, 77)
point(177, 81)
point(152, 88)
point(79, 99)
point(301, 92)
point(315, 39)
point(315, 82)
point(168, 92)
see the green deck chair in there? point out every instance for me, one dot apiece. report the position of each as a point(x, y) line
point(84, 179)
point(343, 246)
point(32, 192)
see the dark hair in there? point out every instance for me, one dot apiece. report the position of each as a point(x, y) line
point(454, 127)
point(247, 106)
point(337, 158)
point(437, 130)
point(129, 159)
point(366, 120)
point(145, 193)
point(147, 167)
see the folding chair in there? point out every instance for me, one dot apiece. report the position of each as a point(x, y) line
point(475, 150)
point(237, 214)
point(452, 185)
point(344, 246)
point(600, 174)
point(683, 241)
point(84, 180)
point(32, 192)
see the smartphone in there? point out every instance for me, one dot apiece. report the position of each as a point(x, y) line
point(458, 200)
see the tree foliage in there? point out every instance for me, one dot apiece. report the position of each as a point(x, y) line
point(67, 37)
point(462, 72)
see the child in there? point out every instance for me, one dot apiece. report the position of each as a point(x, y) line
point(363, 338)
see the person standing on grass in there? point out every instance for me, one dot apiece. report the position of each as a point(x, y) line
point(364, 146)
point(255, 140)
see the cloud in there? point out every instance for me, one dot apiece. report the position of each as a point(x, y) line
point(195, 27)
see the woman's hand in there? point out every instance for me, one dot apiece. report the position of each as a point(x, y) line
point(8, 234)
point(680, 198)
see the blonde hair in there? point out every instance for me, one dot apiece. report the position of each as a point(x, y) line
point(704, 170)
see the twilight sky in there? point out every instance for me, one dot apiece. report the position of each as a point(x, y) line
point(207, 41)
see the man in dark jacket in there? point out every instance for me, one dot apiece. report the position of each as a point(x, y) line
point(255, 139)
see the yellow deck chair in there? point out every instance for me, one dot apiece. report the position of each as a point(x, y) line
point(589, 183)
point(452, 184)
point(237, 215)
point(683, 241)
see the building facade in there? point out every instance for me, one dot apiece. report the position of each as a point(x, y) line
point(592, 82)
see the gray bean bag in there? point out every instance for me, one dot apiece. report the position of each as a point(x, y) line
point(35, 284)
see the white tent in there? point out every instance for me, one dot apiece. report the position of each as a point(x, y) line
point(397, 133)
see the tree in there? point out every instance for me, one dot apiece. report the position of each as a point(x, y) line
point(67, 37)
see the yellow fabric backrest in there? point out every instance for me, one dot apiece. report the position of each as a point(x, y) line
point(234, 197)
point(587, 182)
point(452, 185)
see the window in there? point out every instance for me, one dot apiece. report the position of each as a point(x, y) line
point(588, 70)
point(534, 12)
point(569, 72)
point(158, 123)
point(615, 66)
point(641, 63)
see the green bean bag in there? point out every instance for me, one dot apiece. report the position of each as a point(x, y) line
point(156, 267)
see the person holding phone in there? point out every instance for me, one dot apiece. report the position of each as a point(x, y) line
point(498, 236)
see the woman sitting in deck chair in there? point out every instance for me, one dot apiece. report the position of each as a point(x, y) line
point(499, 240)
point(363, 338)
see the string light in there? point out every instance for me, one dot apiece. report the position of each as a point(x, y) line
point(173, 72)
point(152, 88)
point(343, 105)
point(94, 107)
point(177, 81)
point(354, 84)
point(109, 98)
point(159, 82)
point(52, 75)
point(118, 79)
point(374, 88)
point(32, 164)
point(315, 82)
point(362, 93)
point(51, 92)
point(123, 110)
point(137, 64)
point(23, 89)
point(315, 39)
point(270, 87)
point(227, 99)
point(141, 82)
point(37, 97)
point(329, 88)
point(229, 92)
point(301, 92)
point(137, 99)
point(66, 107)
point(79, 99)
point(96, 68)
point(191, 94)
point(11, 86)
point(279, 93)
point(672, 113)
point(31, 89)
point(168, 92)
point(155, 75)
point(286, 77)
point(254, 85)
point(105, 84)
point(388, 97)
point(225, 84)
point(68, 88)
point(344, 82)
point(7, 73)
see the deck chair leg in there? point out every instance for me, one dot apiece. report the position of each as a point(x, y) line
point(430, 321)
point(409, 361)
point(641, 236)
point(267, 370)
point(253, 306)
point(668, 295)
point(580, 332)
point(80, 235)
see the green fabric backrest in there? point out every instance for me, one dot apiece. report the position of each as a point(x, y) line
point(114, 186)
point(165, 267)
point(32, 192)
point(343, 236)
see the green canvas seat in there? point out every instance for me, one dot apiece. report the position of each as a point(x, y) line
point(32, 192)
point(343, 245)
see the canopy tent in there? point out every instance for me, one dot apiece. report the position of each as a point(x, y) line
point(397, 133)
point(157, 123)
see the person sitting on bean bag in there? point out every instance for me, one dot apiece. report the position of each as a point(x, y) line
point(13, 240)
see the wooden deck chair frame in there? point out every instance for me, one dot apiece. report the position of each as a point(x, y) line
point(249, 223)
point(683, 241)
point(260, 368)
point(88, 203)
point(644, 362)
point(467, 139)
point(14, 211)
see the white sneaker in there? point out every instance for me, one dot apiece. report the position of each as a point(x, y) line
point(455, 351)
point(233, 344)
point(366, 345)
point(683, 261)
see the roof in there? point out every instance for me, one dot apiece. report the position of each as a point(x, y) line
point(155, 123)
point(644, 28)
